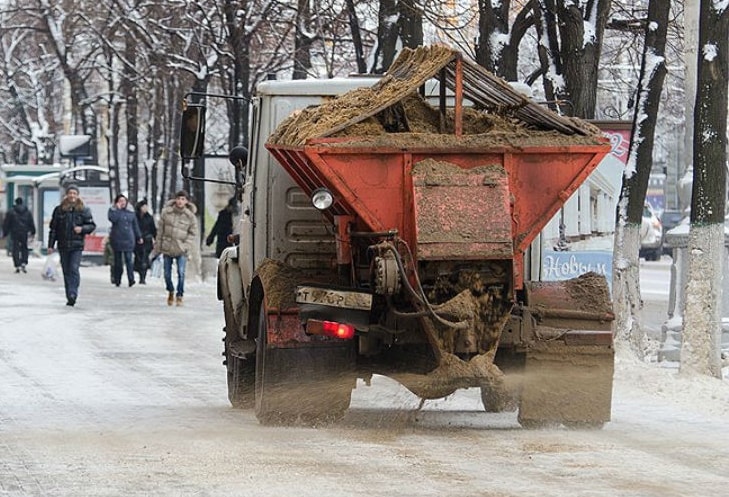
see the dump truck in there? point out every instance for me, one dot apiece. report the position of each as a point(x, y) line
point(388, 237)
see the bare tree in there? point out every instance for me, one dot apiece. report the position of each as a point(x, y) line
point(626, 277)
point(397, 20)
point(303, 39)
point(571, 35)
point(700, 350)
point(359, 48)
point(497, 46)
point(75, 43)
point(29, 94)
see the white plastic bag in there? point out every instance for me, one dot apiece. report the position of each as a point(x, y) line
point(51, 266)
point(157, 268)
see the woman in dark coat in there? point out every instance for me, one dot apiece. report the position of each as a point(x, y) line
point(223, 227)
point(149, 233)
point(124, 236)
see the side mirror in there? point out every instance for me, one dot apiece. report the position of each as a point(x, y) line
point(192, 132)
point(238, 157)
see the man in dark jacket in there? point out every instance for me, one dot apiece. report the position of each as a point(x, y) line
point(124, 236)
point(19, 225)
point(71, 221)
point(223, 227)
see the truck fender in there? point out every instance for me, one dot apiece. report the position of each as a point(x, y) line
point(233, 292)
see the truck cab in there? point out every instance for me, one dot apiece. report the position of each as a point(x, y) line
point(277, 221)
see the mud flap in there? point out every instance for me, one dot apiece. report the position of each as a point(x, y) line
point(569, 384)
point(568, 371)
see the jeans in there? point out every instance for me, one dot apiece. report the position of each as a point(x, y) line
point(181, 264)
point(70, 262)
point(119, 269)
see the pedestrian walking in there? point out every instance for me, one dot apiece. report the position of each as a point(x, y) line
point(19, 225)
point(223, 227)
point(71, 221)
point(177, 231)
point(124, 236)
point(149, 232)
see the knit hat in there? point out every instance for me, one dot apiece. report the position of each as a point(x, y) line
point(182, 193)
point(71, 187)
point(140, 204)
point(18, 201)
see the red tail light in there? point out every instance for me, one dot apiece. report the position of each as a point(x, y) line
point(330, 329)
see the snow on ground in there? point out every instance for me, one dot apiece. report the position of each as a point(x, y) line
point(123, 395)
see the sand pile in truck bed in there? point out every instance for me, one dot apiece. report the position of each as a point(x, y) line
point(393, 113)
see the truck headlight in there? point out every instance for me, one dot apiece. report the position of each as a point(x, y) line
point(322, 199)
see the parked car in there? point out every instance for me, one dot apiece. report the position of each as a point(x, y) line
point(670, 218)
point(651, 235)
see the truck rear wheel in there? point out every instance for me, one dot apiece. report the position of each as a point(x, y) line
point(307, 385)
point(239, 359)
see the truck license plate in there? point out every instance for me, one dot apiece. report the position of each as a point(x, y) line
point(334, 298)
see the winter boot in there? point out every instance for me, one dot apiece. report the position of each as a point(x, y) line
point(179, 300)
point(170, 298)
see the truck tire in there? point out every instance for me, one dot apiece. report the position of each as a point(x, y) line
point(241, 373)
point(307, 385)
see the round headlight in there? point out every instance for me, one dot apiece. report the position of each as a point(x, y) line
point(322, 199)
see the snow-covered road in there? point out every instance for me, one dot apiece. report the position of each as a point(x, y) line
point(123, 395)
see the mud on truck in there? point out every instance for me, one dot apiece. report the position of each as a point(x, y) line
point(384, 231)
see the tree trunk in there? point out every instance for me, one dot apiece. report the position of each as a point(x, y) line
point(574, 37)
point(700, 350)
point(386, 37)
point(241, 77)
point(356, 37)
point(114, 164)
point(302, 41)
point(155, 136)
point(493, 34)
point(410, 23)
point(507, 65)
point(627, 300)
point(130, 96)
point(112, 134)
point(551, 65)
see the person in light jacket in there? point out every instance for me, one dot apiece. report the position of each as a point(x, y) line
point(71, 221)
point(123, 237)
point(177, 232)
